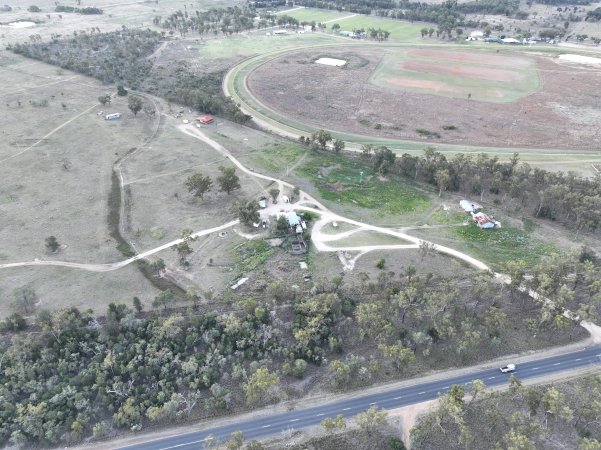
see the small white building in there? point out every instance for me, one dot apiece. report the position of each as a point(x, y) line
point(113, 116)
point(279, 32)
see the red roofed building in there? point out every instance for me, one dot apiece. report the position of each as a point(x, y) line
point(205, 119)
point(482, 220)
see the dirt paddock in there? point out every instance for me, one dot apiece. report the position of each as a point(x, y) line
point(481, 98)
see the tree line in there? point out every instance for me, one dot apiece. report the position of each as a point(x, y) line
point(121, 57)
point(565, 415)
point(565, 198)
point(227, 21)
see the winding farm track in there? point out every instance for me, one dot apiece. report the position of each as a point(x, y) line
point(305, 203)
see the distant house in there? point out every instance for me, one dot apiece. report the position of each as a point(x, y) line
point(276, 32)
point(205, 120)
point(511, 41)
point(483, 221)
point(263, 202)
point(113, 116)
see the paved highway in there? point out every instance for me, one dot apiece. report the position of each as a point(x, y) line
point(274, 424)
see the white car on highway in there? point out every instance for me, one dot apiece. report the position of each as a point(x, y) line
point(508, 368)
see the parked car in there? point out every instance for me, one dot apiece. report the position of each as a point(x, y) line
point(508, 368)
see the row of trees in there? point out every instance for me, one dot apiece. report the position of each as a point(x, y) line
point(228, 21)
point(524, 418)
point(322, 140)
point(563, 197)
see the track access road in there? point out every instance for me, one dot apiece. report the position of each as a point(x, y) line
point(388, 399)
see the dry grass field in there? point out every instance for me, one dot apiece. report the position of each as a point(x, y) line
point(131, 13)
point(56, 159)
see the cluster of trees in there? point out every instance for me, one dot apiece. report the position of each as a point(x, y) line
point(118, 57)
point(227, 21)
point(320, 141)
point(594, 15)
point(199, 184)
point(77, 378)
point(73, 9)
point(563, 197)
point(525, 418)
point(82, 375)
point(122, 57)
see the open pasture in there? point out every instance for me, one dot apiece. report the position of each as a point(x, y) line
point(399, 30)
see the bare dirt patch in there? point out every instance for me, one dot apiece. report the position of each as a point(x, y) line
point(484, 73)
point(488, 59)
point(436, 86)
point(344, 100)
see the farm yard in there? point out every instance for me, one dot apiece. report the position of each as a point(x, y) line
point(372, 94)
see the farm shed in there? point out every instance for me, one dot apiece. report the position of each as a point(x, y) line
point(469, 206)
point(483, 221)
point(113, 116)
point(205, 119)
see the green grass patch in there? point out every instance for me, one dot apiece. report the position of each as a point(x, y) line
point(251, 254)
point(313, 14)
point(442, 217)
point(503, 244)
point(276, 158)
point(399, 31)
point(355, 182)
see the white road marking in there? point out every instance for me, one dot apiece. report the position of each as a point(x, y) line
point(294, 420)
point(420, 393)
point(556, 364)
point(445, 387)
point(491, 378)
point(535, 368)
point(320, 414)
point(578, 359)
point(265, 426)
point(397, 398)
point(182, 445)
point(345, 409)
